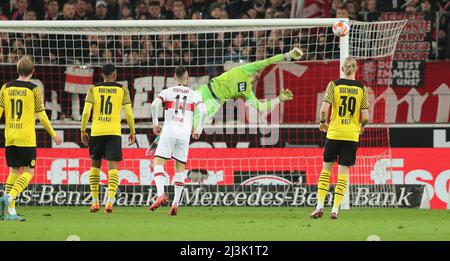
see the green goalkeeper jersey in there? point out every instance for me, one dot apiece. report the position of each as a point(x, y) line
point(237, 83)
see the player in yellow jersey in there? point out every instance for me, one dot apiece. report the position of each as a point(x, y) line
point(349, 115)
point(21, 100)
point(106, 100)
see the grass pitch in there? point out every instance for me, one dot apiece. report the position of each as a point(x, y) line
point(226, 223)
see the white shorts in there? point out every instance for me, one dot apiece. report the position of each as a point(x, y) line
point(172, 148)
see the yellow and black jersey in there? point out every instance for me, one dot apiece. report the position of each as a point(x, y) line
point(347, 98)
point(107, 99)
point(20, 101)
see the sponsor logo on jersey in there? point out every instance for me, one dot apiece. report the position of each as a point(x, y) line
point(242, 86)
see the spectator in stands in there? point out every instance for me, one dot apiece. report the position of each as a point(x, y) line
point(30, 15)
point(411, 8)
point(277, 4)
point(215, 11)
point(2, 17)
point(342, 12)
point(198, 6)
point(244, 16)
point(52, 10)
point(196, 15)
point(259, 6)
point(334, 6)
point(352, 9)
point(144, 17)
point(101, 11)
point(141, 8)
point(113, 9)
point(165, 10)
point(372, 12)
point(125, 12)
point(81, 10)
point(239, 7)
point(179, 10)
point(270, 13)
point(279, 14)
point(68, 12)
point(154, 10)
point(19, 13)
point(233, 51)
point(252, 13)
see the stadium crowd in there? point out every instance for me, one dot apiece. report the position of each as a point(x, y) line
point(161, 49)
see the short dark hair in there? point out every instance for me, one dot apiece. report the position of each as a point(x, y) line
point(180, 71)
point(154, 3)
point(108, 69)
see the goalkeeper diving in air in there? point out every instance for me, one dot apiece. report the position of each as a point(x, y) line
point(237, 83)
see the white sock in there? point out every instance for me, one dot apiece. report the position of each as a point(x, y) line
point(10, 199)
point(159, 179)
point(319, 205)
point(335, 210)
point(12, 211)
point(178, 182)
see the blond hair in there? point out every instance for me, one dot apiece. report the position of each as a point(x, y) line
point(349, 66)
point(25, 66)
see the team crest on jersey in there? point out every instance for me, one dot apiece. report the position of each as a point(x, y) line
point(242, 86)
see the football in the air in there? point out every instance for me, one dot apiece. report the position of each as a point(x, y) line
point(341, 28)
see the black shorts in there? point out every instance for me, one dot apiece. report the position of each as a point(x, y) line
point(107, 147)
point(342, 150)
point(20, 156)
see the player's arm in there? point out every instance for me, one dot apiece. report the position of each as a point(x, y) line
point(254, 67)
point(327, 101)
point(88, 104)
point(156, 105)
point(203, 115)
point(285, 95)
point(43, 118)
point(129, 115)
point(364, 110)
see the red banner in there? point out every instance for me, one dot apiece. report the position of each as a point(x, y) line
point(235, 166)
point(308, 82)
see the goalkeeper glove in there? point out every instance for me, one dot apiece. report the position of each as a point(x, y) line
point(294, 54)
point(285, 95)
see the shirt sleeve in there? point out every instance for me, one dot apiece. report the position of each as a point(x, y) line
point(2, 101)
point(365, 99)
point(126, 96)
point(329, 93)
point(38, 101)
point(90, 96)
point(197, 98)
point(162, 95)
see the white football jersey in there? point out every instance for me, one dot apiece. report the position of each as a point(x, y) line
point(179, 104)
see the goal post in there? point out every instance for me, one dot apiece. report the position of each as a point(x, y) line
point(68, 56)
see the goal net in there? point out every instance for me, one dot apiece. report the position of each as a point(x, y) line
point(243, 152)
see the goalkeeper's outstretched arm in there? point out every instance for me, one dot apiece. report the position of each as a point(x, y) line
point(285, 95)
point(254, 67)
